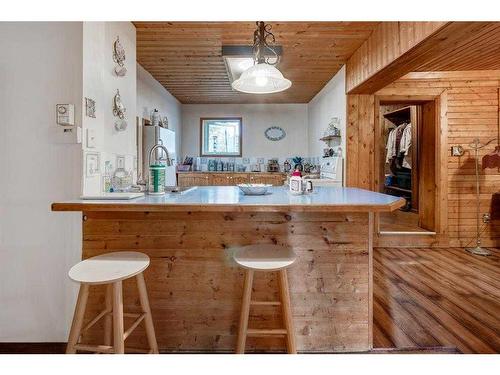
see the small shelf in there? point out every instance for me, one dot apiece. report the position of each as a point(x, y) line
point(397, 188)
point(398, 115)
point(329, 138)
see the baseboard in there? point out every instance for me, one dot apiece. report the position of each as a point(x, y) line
point(60, 348)
point(32, 347)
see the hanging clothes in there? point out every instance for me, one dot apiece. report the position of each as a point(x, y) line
point(398, 146)
point(390, 147)
point(405, 147)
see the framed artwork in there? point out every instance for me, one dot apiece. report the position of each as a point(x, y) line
point(92, 164)
point(89, 107)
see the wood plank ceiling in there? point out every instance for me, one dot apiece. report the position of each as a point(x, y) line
point(477, 49)
point(185, 57)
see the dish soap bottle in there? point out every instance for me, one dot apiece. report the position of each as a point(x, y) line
point(296, 183)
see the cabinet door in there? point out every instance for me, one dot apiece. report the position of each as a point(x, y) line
point(193, 179)
point(240, 179)
point(257, 179)
point(183, 180)
point(273, 179)
point(277, 180)
point(201, 179)
point(221, 179)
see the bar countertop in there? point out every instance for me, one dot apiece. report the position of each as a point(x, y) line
point(231, 199)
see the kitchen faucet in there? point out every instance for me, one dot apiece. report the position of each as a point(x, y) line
point(167, 159)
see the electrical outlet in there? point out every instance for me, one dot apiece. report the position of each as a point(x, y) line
point(457, 151)
point(486, 218)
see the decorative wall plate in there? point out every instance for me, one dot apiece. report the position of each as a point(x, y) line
point(119, 111)
point(119, 58)
point(275, 133)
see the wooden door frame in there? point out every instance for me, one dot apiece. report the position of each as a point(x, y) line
point(440, 237)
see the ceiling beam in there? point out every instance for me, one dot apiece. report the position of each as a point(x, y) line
point(370, 68)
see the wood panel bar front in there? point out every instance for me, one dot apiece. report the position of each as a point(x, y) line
point(195, 289)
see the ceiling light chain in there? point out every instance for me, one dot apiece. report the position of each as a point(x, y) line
point(262, 40)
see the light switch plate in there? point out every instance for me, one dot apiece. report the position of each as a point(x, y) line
point(91, 141)
point(120, 161)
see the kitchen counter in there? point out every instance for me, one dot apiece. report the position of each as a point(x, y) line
point(195, 288)
point(231, 199)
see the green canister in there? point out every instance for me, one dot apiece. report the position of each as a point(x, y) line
point(157, 179)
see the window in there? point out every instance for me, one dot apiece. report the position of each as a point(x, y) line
point(220, 136)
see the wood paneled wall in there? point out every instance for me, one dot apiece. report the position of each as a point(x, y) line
point(397, 48)
point(386, 43)
point(195, 288)
point(360, 141)
point(469, 108)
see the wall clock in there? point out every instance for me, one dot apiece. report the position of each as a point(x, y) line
point(275, 133)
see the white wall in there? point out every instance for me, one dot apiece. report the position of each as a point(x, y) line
point(330, 102)
point(150, 95)
point(100, 84)
point(40, 66)
point(256, 119)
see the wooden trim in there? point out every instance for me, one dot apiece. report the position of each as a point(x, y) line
point(453, 75)
point(442, 164)
point(441, 167)
point(137, 207)
point(371, 227)
point(240, 119)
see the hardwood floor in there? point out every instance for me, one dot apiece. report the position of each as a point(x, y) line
point(435, 298)
point(400, 221)
point(425, 301)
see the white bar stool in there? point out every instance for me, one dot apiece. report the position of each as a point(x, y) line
point(110, 269)
point(268, 258)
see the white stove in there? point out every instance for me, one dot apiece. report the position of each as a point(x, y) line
point(331, 172)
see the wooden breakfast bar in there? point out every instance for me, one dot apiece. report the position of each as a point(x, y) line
point(194, 287)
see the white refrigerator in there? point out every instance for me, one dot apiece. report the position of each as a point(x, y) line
point(152, 135)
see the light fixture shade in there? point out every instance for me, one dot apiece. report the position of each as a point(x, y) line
point(261, 79)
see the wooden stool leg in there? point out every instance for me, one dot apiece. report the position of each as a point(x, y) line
point(148, 319)
point(245, 312)
point(287, 312)
point(108, 320)
point(118, 341)
point(76, 326)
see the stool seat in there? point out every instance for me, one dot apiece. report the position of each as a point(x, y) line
point(264, 257)
point(109, 268)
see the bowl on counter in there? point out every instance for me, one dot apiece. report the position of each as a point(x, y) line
point(254, 189)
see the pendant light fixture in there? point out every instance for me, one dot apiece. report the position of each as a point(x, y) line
point(263, 77)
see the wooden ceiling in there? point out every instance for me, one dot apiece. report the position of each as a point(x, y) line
point(185, 57)
point(477, 49)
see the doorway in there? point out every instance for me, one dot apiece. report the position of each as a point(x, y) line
point(407, 133)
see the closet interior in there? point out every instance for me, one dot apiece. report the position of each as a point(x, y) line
point(407, 166)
